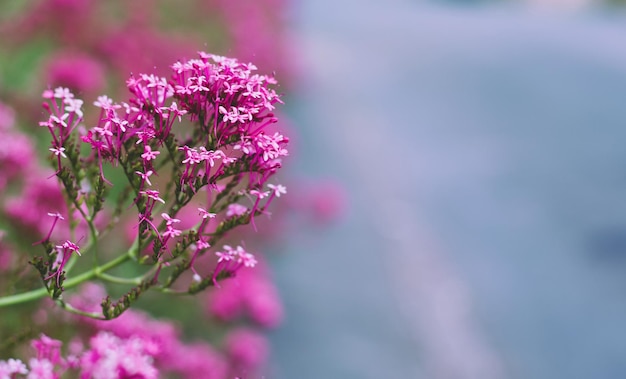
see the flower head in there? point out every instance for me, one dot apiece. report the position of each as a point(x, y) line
point(11, 367)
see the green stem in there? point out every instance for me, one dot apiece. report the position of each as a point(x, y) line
point(67, 307)
point(94, 238)
point(24, 297)
point(43, 292)
point(116, 279)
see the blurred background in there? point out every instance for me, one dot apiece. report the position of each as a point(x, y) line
point(480, 144)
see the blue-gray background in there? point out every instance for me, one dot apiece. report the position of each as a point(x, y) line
point(482, 148)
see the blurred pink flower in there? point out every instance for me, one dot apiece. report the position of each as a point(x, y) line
point(38, 198)
point(7, 117)
point(78, 71)
point(197, 360)
point(17, 155)
point(327, 201)
point(251, 294)
point(247, 349)
point(112, 357)
point(48, 348)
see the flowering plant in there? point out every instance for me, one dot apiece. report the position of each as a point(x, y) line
point(199, 143)
point(148, 198)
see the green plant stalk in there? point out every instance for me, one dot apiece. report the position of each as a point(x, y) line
point(87, 275)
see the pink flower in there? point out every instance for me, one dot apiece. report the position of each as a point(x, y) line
point(259, 194)
point(38, 198)
point(104, 102)
point(48, 349)
point(58, 151)
point(232, 260)
point(169, 220)
point(63, 93)
point(75, 70)
point(148, 154)
point(278, 189)
point(262, 303)
point(174, 110)
point(235, 210)
point(202, 245)
point(326, 201)
point(247, 349)
point(64, 252)
point(171, 232)
point(41, 369)
point(7, 117)
point(152, 194)
point(17, 154)
point(74, 106)
point(251, 293)
point(9, 368)
point(205, 214)
point(113, 357)
point(145, 177)
point(198, 360)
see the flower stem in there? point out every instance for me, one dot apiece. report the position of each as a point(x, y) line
point(73, 282)
point(71, 309)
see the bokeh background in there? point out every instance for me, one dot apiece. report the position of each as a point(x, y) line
point(481, 146)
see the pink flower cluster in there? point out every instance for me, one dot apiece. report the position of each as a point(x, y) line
point(29, 208)
point(198, 148)
point(64, 252)
point(241, 350)
point(226, 155)
point(24, 197)
point(65, 115)
point(252, 295)
point(16, 150)
point(112, 357)
point(232, 104)
point(107, 357)
point(75, 70)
